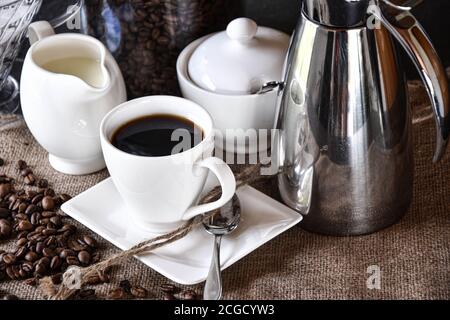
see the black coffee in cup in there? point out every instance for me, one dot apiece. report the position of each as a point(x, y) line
point(157, 135)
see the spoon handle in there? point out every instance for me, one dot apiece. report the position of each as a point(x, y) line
point(213, 285)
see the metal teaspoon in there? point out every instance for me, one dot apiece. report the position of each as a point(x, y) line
point(223, 223)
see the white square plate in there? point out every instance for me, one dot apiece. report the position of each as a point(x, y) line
point(187, 260)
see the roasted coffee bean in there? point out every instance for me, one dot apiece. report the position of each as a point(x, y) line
point(39, 229)
point(45, 261)
point(13, 197)
point(125, 285)
point(138, 292)
point(49, 192)
point(47, 203)
point(36, 199)
point(56, 221)
point(30, 179)
point(52, 241)
point(32, 208)
point(169, 288)
point(10, 272)
point(31, 256)
point(84, 257)
point(31, 282)
point(64, 198)
point(10, 297)
point(74, 245)
point(48, 214)
point(55, 263)
point(35, 217)
point(49, 231)
point(95, 258)
point(9, 258)
point(22, 274)
point(42, 183)
point(72, 261)
point(5, 229)
point(57, 278)
point(21, 207)
point(25, 225)
point(70, 228)
point(90, 241)
point(116, 294)
point(40, 247)
point(2, 162)
point(66, 253)
point(16, 270)
point(21, 165)
point(188, 295)
point(169, 296)
point(21, 216)
point(47, 252)
point(40, 269)
point(5, 189)
point(22, 234)
point(27, 266)
point(30, 193)
point(14, 205)
point(25, 172)
point(21, 242)
point(86, 293)
point(21, 252)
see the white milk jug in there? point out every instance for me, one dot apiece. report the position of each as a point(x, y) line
point(69, 83)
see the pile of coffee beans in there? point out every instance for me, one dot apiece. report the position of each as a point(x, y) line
point(146, 36)
point(46, 244)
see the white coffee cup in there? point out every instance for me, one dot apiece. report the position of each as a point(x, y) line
point(161, 192)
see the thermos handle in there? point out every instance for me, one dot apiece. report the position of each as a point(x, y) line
point(408, 31)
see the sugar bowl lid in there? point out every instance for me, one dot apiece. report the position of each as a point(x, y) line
point(240, 60)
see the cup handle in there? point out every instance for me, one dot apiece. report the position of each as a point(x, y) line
point(39, 30)
point(226, 180)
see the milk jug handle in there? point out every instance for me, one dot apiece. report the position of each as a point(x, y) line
point(39, 30)
point(411, 35)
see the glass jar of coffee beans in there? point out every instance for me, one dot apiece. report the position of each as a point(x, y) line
point(146, 36)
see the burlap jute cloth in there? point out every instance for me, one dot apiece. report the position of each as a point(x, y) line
point(414, 255)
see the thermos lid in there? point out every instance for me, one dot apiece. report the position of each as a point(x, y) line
point(337, 13)
point(240, 60)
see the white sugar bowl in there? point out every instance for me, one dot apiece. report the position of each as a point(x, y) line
point(232, 74)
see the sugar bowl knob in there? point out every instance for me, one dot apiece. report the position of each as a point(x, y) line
point(242, 29)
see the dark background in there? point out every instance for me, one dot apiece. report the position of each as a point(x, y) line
point(283, 14)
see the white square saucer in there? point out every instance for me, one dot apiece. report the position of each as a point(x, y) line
point(187, 260)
